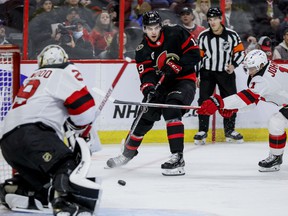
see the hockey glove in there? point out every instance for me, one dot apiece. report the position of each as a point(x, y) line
point(72, 131)
point(83, 131)
point(148, 89)
point(171, 69)
point(210, 106)
point(227, 113)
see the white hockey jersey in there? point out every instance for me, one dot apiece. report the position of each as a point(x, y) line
point(49, 96)
point(270, 85)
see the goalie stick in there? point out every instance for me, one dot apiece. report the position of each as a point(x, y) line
point(157, 105)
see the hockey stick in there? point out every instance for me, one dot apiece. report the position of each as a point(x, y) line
point(110, 90)
point(157, 105)
point(102, 93)
point(96, 146)
point(136, 121)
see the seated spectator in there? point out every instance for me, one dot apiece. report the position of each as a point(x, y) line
point(237, 20)
point(159, 3)
point(14, 9)
point(139, 10)
point(281, 51)
point(84, 12)
point(77, 43)
point(113, 9)
point(95, 5)
point(266, 18)
point(177, 5)
point(86, 3)
point(187, 19)
point(3, 39)
point(73, 13)
point(284, 24)
point(102, 33)
point(168, 16)
point(41, 33)
point(112, 51)
point(36, 5)
point(200, 12)
point(265, 44)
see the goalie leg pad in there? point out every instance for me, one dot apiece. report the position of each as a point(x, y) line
point(21, 203)
point(88, 198)
point(84, 194)
point(89, 192)
point(17, 186)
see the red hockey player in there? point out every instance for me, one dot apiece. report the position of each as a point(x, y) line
point(267, 82)
point(172, 51)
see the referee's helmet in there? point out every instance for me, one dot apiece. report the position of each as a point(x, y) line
point(214, 12)
point(151, 18)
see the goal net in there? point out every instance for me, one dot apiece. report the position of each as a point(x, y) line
point(9, 84)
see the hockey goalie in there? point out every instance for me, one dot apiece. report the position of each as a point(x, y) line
point(50, 173)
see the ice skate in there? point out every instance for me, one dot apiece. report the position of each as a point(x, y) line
point(174, 166)
point(117, 161)
point(234, 136)
point(271, 163)
point(200, 138)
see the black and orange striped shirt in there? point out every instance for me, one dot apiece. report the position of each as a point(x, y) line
point(219, 50)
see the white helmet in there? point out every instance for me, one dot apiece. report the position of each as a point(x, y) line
point(255, 58)
point(52, 54)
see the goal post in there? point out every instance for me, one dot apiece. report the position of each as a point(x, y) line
point(9, 85)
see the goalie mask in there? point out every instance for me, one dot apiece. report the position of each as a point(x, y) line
point(51, 55)
point(255, 59)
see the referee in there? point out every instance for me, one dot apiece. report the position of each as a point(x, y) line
point(221, 52)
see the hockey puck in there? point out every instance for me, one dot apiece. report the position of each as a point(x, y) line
point(121, 182)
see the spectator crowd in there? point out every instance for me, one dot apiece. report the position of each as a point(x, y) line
point(89, 29)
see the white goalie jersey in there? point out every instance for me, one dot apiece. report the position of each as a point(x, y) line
point(269, 85)
point(49, 96)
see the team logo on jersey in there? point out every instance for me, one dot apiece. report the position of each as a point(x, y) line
point(139, 47)
point(226, 45)
point(47, 157)
point(161, 59)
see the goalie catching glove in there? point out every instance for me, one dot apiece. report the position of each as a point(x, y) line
point(214, 103)
point(171, 68)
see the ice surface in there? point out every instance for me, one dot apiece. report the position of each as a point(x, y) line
point(221, 180)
